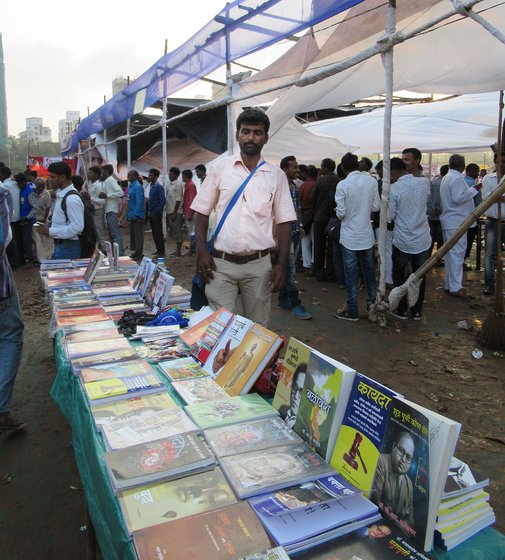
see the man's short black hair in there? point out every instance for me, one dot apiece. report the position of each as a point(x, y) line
point(5, 171)
point(78, 182)
point(302, 168)
point(21, 178)
point(415, 152)
point(379, 165)
point(201, 167)
point(95, 170)
point(285, 162)
point(60, 168)
point(349, 162)
point(328, 164)
point(368, 163)
point(397, 164)
point(108, 168)
point(312, 172)
point(31, 173)
point(252, 115)
point(444, 169)
point(154, 171)
point(135, 173)
point(175, 170)
point(187, 173)
point(472, 168)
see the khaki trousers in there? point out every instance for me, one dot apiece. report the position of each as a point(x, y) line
point(253, 279)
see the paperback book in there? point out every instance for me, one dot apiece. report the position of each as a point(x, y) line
point(82, 327)
point(78, 349)
point(226, 345)
point(147, 427)
point(276, 553)
point(134, 407)
point(178, 295)
point(116, 388)
point(163, 459)
point(181, 369)
point(267, 470)
point(291, 379)
point(224, 534)
point(293, 498)
point(211, 335)
point(94, 264)
point(361, 435)
point(193, 334)
point(462, 479)
point(104, 358)
point(90, 336)
point(158, 290)
point(88, 315)
point(412, 468)
point(159, 503)
point(307, 527)
point(324, 397)
point(230, 411)
point(250, 436)
point(199, 390)
point(143, 275)
point(128, 368)
point(248, 360)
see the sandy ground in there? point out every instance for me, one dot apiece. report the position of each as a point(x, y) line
point(42, 511)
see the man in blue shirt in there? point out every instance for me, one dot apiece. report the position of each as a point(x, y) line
point(26, 219)
point(156, 206)
point(135, 214)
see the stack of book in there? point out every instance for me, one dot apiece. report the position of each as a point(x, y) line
point(464, 509)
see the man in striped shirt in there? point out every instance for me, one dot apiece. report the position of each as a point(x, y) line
point(11, 324)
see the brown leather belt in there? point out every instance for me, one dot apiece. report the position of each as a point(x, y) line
point(240, 259)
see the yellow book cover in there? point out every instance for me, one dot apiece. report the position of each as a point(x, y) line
point(114, 387)
point(248, 360)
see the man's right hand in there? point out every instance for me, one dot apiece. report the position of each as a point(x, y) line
point(205, 265)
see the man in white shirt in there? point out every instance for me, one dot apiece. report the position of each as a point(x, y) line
point(95, 188)
point(489, 185)
point(356, 197)
point(66, 226)
point(13, 249)
point(457, 205)
point(112, 193)
point(174, 210)
point(408, 201)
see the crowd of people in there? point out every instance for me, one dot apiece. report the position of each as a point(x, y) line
point(253, 226)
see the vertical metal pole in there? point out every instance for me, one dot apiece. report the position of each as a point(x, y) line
point(106, 148)
point(229, 92)
point(128, 146)
point(164, 139)
point(387, 60)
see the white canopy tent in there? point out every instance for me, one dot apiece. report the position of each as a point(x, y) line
point(465, 123)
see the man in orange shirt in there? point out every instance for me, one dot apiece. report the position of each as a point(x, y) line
point(240, 259)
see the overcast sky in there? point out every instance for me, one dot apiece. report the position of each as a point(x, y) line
point(62, 56)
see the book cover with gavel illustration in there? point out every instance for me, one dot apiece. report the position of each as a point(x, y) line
point(362, 432)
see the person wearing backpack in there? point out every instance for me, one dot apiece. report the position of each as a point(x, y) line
point(66, 226)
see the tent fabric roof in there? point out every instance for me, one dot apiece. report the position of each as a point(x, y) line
point(465, 123)
point(241, 28)
point(457, 56)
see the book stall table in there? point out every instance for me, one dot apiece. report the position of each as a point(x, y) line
point(103, 508)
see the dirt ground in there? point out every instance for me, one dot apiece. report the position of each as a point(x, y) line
point(42, 513)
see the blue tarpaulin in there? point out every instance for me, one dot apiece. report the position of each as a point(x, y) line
point(241, 28)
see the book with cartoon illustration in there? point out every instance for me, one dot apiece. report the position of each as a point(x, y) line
point(323, 401)
point(199, 390)
point(128, 368)
point(211, 335)
point(181, 369)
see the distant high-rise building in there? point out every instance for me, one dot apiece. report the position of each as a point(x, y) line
point(67, 125)
point(35, 131)
point(118, 84)
point(3, 101)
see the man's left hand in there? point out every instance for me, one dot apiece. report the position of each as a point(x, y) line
point(278, 277)
point(102, 195)
point(43, 230)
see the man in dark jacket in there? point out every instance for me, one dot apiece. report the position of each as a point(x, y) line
point(156, 206)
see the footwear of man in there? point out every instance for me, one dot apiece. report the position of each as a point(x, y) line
point(417, 315)
point(300, 313)
point(488, 290)
point(10, 424)
point(398, 314)
point(281, 305)
point(346, 316)
point(459, 294)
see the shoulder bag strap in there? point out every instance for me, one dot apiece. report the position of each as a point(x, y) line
point(232, 202)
